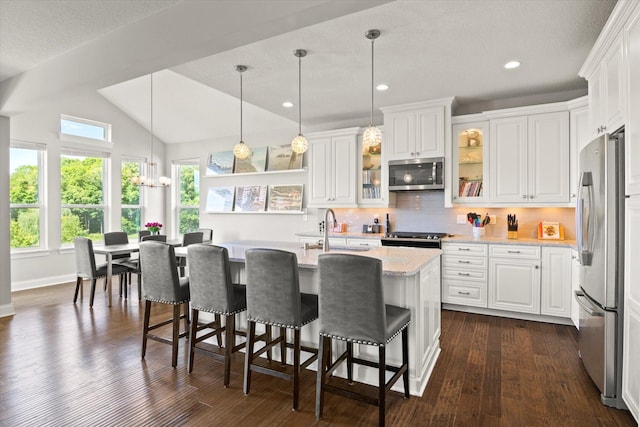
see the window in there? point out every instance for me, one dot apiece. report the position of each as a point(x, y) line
point(26, 195)
point(188, 197)
point(131, 213)
point(82, 193)
point(84, 128)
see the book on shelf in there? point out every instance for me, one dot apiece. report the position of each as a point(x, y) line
point(470, 189)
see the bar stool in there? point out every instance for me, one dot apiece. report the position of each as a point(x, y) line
point(352, 309)
point(162, 285)
point(274, 299)
point(188, 239)
point(213, 291)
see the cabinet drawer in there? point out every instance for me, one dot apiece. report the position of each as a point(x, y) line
point(469, 249)
point(364, 242)
point(464, 262)
point(464, 274)
point(514, 251)
point(464, 293)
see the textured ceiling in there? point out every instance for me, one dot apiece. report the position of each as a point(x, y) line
point(34, 31)
point(428, 49)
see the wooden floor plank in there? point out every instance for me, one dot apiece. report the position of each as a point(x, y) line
point(68, 365)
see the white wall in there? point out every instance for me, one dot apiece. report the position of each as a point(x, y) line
point(6, 307)
point(129, 139)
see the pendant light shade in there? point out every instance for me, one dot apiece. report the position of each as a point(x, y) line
point(372, 135)
point(151, 179)
point(300, 144)
point(241, 150)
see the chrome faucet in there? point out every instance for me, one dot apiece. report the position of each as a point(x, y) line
point(325, 244)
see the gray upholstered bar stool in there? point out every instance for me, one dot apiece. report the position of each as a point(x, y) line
point(274, 299)
point(188, 239)
point(86, 268)
point(162, 285)
point(213, 291)
point(352, 309)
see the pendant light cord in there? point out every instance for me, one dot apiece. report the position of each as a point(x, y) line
point(151, 159)
point(371, 121)
point(241, 140)
point(299, 95)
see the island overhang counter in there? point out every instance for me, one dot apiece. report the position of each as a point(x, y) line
point(411, 279)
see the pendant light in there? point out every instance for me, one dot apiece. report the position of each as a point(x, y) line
point(151, 179)
point(241, 150)
point(300, 144)
point(372, 135)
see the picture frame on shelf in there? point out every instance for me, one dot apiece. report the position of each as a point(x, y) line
point(220, 163)
point(256, 162)
point(220, 199)
point(285, 198)
point(282, 157)
point(250, 198)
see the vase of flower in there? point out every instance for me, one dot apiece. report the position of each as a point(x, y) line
point(153, 227)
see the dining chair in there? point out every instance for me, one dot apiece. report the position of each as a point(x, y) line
point(155, 238)
point(213, 291)
point(274, 299)
point(86, 267)
point(121, 238)
point(207, 234)
point(143, 233)
point(163, 286)
point(188, 239)
point(352, 309)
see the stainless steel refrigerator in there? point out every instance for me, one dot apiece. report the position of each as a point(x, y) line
point(600, 236)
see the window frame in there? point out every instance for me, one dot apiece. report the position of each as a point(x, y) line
point(141, 199)
point(107, 128)
point(43, 240)
point(105, 206)
point(176, 194)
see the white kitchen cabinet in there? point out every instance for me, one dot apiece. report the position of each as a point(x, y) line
point(632, 128)
point(606, 92)
point(417, 130)
point(555, 282)
point(631, 327)
point(514, 279)
point(529, 159)
point(579, 136)
point(470, 163)
point(333, 168)
point(464, 274)
point(575, 286)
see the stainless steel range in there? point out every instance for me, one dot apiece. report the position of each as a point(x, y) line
point(413, 239)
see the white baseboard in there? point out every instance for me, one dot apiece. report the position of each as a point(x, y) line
point(42, 282)
point(7, 310)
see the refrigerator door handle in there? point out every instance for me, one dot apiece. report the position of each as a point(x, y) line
point(584, 212)
point(586, 305)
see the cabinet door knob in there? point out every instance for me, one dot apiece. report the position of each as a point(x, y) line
point(417, 153)
point(531, 196)
point(524, 196)
point(537, 267)
point(412, 153)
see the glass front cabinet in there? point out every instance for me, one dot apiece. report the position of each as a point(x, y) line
point(373, 179)
point(470, 156)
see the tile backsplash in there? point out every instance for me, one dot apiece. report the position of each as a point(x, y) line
point(425, 211)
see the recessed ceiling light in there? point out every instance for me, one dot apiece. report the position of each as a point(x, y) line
point(287, 104)
point(382, 87)
point(511, 65)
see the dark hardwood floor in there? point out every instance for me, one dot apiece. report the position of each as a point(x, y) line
point(65, 364)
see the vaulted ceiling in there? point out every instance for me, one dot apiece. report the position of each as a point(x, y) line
point(428, 49)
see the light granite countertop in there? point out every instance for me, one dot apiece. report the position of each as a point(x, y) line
point(347, 234)
point(505, 241)
point(396, 261)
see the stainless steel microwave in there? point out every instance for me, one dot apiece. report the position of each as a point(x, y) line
point(416, 174)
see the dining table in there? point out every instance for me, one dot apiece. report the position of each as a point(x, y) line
point(126, 248)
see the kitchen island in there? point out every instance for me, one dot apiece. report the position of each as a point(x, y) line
point(411, 279)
